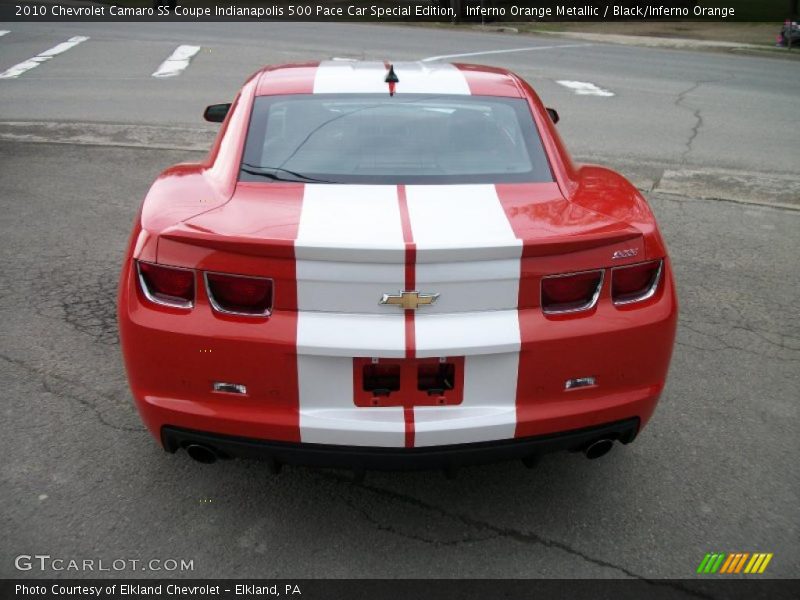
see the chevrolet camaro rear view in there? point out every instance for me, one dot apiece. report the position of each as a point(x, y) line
point(393, 266)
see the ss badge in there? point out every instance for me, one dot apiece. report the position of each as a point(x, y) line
point(627, 253)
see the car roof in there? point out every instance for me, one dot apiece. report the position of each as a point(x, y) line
point(355, 76)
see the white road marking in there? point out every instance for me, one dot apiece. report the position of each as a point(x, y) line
point(34, 62)
point(3, 32)
point(584, 88)
point(177, 61)
point(510, 50)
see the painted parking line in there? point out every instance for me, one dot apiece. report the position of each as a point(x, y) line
point(506, 51)
point(584, 88)
point(37, 60)
point(177, 61)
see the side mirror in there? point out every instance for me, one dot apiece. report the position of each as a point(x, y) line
point(216, 113)
point(553, 115)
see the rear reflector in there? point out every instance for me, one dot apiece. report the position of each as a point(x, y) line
point(571, 292)
point(170, 286)
point(635, 283)
point(239, 294)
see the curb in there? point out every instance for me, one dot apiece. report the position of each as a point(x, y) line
point(654, 42)
point(745, 187)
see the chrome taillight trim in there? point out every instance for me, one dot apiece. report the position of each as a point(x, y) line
point(588, 306)
point(178, 303)
point(651, 291)
point(217, 308)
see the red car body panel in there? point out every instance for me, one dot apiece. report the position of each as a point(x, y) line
point(200, 216)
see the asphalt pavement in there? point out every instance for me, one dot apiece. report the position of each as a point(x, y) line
point(83, 134)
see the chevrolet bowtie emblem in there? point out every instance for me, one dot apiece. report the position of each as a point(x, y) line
point(409, 300)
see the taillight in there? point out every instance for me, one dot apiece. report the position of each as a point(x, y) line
point(239, 294)
point(571, 292)
point(170, 286)
point(635, 283)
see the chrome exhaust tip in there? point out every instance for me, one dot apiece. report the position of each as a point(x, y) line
point(202, 454)
point(598, 448)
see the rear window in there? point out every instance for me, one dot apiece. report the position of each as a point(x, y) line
point(376, 138)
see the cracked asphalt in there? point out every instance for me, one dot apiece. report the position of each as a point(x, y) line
point(716, 470)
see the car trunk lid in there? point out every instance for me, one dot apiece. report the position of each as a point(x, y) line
point(346, 246)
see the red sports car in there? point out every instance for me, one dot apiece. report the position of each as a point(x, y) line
point(393, 266)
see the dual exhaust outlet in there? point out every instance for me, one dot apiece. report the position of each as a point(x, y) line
point(595, 449)
point(598, 448)
point(208, 455)
point(202, 453)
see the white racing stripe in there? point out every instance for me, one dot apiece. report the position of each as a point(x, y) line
point(458, 216)
point(466, 251)
point(350, 334)
point(346, 77)
point(341, 222)
point(471, 285)
point(349, 252)
point(177, 61)
point(455, 222)
point(344, 286)
point(476, 315)
point(488, 411)
point(37, 60)
point(327, 412)
point(421, 78)
point(584, 88)
point(466, 333)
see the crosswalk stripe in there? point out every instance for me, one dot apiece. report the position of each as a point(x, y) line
point(34, 62)
point(177, 61)
point(585, 88)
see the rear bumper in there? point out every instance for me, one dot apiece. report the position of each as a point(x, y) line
point(385, 459)
point(297, 393)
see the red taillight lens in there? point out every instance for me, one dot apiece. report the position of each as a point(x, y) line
point(171, 286)
point(571, 293)
point(239, 295)
point(635, 283)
